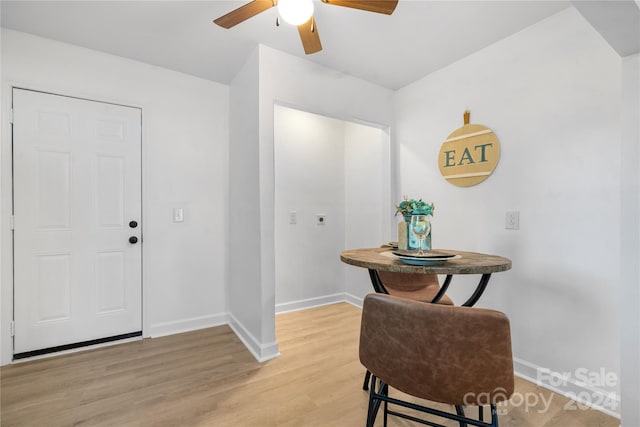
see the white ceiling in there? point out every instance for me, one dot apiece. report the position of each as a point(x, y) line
point(420, 37)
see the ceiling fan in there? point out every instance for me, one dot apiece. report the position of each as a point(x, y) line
point(300, 13)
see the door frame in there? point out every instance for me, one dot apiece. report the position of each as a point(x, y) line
point(6, 209)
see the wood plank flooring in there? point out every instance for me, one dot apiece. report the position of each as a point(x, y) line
point(208, 378)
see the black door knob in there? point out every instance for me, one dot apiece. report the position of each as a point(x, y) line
point(133, 240)
point(133, 224)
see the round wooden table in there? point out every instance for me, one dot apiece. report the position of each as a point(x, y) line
point(382, 259)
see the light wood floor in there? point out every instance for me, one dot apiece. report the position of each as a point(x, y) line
point(208, 378)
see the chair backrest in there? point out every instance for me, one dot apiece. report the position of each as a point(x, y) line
point(407, 281)
point(420, 287)
point(454, 355)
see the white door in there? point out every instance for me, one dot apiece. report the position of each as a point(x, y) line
point(77, 191)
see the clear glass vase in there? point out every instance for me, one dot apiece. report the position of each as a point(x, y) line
point(407, 240)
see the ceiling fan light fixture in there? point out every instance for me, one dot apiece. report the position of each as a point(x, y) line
point(295, 12)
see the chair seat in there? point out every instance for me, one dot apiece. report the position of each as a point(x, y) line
point(458, 356)
point(417, 287)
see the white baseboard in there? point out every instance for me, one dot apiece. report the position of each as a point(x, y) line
point(262, 352)
point(304, 304)
point(187, 325)
point(353, 300)
point(583, 394)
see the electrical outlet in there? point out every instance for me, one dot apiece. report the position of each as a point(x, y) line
point(512, 220)
point(293, 217)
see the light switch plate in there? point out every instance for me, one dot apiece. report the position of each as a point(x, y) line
point(178, 215)
point(293, 217)
point(512, 220)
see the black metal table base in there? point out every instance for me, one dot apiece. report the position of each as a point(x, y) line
point(480, 288)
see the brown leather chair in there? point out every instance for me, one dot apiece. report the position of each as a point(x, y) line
point(454, 355)
point(418, 287)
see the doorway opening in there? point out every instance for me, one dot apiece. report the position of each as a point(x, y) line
point(332, 192)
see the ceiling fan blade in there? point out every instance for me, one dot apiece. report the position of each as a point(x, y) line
point(244, 12)
point(310, 37)
point(379, 6)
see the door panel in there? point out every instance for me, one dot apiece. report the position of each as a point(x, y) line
point(77, 184)
point(54, 287)
point(53, 190)
point(111, 291)
point(109, 197)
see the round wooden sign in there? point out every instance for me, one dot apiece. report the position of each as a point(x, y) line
point(469, 155)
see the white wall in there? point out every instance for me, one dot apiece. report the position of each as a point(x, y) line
point(367, 200)
point(309, 179)
point(332, 167)
point(5, 342)
point(185, 151)
point(630, 242)
point(245, 292)
point(551, 93)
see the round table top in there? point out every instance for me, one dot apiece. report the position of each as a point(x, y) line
point(382, 259)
